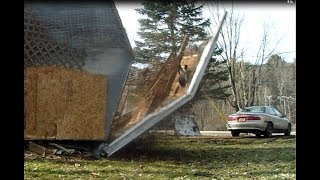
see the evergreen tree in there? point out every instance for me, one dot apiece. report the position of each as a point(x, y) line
point(275, 70)
point(163, 27)
point(215, 80)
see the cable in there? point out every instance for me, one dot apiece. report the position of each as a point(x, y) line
point(215, 107)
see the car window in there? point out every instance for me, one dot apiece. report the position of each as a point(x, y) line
point(277, 112)
point(253, 109)
point(270, 111)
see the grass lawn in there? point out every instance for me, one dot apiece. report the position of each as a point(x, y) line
point(172, 157)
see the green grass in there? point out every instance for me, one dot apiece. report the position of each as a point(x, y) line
point(171, 157)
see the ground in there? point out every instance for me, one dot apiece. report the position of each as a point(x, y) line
point(172, 157)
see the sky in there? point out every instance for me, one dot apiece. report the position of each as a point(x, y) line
point(281, 19)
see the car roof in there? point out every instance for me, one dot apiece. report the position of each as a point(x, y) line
point(257, 106)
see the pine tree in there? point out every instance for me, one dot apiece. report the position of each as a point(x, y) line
point(214, 82)
point(163, 27)
point(274, 66)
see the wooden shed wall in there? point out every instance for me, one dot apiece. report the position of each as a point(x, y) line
point(63, 103)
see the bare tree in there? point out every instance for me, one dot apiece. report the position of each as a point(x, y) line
point(266, 49)
point(245, 78)
point(229, 41)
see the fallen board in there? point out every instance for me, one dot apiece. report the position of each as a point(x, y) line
point(64, 104)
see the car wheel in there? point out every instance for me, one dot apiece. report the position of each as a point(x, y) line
point(288, 130)
point(235, 133)
point(268, 131)
point(258, 134)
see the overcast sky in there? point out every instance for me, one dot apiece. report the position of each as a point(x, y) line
point(281, 19)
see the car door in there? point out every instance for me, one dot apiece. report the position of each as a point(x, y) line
point(283, 121)
point(273, 116)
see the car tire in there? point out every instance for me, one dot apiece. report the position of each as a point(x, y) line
point(235, 133)
point(257, 134)
point(288, 130)
point(268, 131)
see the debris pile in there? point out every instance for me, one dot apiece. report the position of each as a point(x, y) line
point(49, 149)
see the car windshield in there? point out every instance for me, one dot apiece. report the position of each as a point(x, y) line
point(253, 109)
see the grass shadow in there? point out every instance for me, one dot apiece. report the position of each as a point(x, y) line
point(208, 150)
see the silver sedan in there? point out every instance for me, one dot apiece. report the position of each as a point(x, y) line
point(259, 120)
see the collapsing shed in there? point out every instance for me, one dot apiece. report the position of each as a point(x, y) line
point(76, 57)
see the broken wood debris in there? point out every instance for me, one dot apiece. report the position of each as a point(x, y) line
point(63, 150)
point(56, 149)
point(40, 149)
